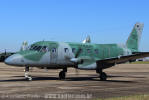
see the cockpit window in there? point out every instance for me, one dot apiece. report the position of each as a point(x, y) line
point(32, 47)
point(39, 48)
point(44, 49)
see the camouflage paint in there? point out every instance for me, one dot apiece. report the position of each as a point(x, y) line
point(90, 53)
point(134, 38)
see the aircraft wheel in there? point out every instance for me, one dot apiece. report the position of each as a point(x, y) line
point(62, 75)
point(29, 78)
point(103, 76)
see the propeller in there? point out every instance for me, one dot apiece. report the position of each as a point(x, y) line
point(31, 69)
point(76, 71)
point(76, 56)
point(78, 53)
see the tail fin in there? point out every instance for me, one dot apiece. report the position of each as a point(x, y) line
point(24, 46)
point(87, 40)
point(134, 38)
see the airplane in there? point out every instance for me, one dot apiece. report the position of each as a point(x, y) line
point(84, 56)
point(6, 54)
point(24, 46)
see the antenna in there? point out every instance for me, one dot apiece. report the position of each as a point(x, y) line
point(5, 52)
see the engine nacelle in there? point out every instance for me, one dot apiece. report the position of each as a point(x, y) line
point(88, 67)
point(76, 61)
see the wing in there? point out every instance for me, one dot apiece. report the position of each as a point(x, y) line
point(121, 59)
point(90, 63)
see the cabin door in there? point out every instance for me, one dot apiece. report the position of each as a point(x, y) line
point(53, 55)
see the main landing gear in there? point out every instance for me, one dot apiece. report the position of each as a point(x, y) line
point(62, 74)
point(27, 76)
point(102, 75)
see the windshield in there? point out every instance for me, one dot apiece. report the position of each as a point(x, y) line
point(39, 48)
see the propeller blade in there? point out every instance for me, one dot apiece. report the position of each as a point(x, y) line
point(76, 71)
point(78, 53)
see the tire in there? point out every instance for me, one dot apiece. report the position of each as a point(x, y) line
point(62, 75)
point(103, 76)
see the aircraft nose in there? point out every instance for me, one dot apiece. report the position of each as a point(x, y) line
point(16, 60)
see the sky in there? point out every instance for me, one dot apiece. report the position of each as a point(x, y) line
point(106, 21)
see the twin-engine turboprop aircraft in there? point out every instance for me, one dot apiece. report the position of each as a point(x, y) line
point(86, 56)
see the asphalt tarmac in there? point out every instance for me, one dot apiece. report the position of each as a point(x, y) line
point(123, 80)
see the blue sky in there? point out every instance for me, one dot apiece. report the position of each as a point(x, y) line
point(106, 21)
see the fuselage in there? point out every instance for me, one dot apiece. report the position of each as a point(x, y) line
point(85, 56)
point(55, 55)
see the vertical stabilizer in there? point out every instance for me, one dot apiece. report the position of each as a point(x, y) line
point(87, 40)
point(24, 46)
point(135, 36)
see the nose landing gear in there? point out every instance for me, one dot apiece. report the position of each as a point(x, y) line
point(26, 74)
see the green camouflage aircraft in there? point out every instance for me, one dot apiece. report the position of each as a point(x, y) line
point(5, 55)
point(85, 56)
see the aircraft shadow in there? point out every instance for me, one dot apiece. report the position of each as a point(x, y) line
point(67, 79)
point(34, 79)
point(95, 76)
point(96, 79)
point(121, 81)
point(110, 76)
point(82, 79)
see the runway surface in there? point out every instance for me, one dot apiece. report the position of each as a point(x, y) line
point(123, 80)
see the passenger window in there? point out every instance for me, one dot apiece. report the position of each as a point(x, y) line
point(53, 50)
point(96, 51)
point(81, 50)
point(73, 50)
point(88, 50)
point(66, 50)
